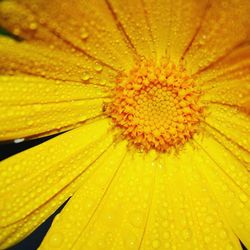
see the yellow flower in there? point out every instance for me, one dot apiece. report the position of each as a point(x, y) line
point(155, 99)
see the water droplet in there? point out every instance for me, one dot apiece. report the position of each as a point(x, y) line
point(85, 76)
point(16, 31)
point(108, 238)
point(103, 82)
point(167, 245)
point(29, 123)
point(210, 219)
point(98, 67)
point(187, 234)
point(229, 246)
point(155, 244)
point(56, 240)
point(136, 218)
point(33, 26)
point(166, 235)
point(243, 197)
point(84, 34)
point(130, 240)
point(223, 234)
point(165, 224)
point(2, 202)
point(207, 239)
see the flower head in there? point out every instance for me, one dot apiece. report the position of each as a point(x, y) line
point(156, 107)
point(153, 99)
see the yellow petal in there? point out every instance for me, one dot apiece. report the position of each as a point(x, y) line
point(174, 24)
point(223, 29)
point(110, 210)
point(234, 93)
point(37, 181)
point(144, 203)
point(39, 106)
point(231, 123)
point(227, 82)
point(184, 213)
point(21, 22)
point(232, 147)
point(32, 106)
point(132, 21)
point(85, 26)
point(229, 181)
point(233, 67)
point(21, 58)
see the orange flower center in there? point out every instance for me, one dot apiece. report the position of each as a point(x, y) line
point(155, 106)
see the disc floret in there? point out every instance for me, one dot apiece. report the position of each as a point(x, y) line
point(155, 106)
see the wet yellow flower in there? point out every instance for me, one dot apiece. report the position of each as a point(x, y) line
point(155, 99)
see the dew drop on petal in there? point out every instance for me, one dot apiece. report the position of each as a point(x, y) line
point(2, 203)
point(84, 34)
point(187, 234)
point(136, 218)
point(85, 76)
point(207, 239)
point(56, 240)
point(229, 246)
point(243, 197)
point(155, 244)
point(33, 26)
point(98, 67)
point(129, 240)
point(166, 235)
point(223, 234)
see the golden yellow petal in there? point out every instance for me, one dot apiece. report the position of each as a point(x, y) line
point(229, 181)
point(131, 18)
point(110, 210)
point(231, 123)
point(21, 58)
point(227, 82)
point(184, 213)
point(143, 203)
point(33, 106)
point(222, 30)
point(37, 181)
point(84, 26)
point(229, 93)
point(83, 205)
point(174, 24)
point(233, 67)
point(231, 146)
point(21, 22)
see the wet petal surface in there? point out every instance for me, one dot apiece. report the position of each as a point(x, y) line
point(35, 182)
point(34, 106)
